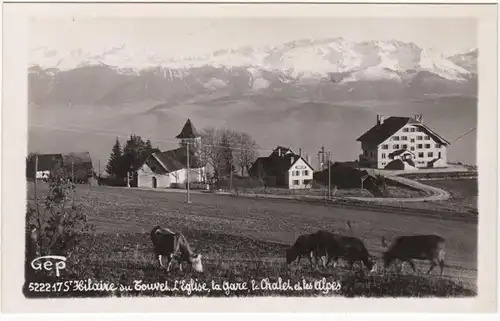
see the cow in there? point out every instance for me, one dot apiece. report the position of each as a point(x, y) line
point(174, 247)
point(349, 248)
point(418, 247)
point(310, 245)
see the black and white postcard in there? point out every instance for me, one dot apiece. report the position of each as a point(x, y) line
point(255, 154)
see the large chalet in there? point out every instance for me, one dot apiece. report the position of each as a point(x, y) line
point(402, 143)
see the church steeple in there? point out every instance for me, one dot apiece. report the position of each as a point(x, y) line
point(189, 133)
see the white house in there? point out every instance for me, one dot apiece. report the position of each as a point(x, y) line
point(284, 168)
point(402, 138)
point(300, 173)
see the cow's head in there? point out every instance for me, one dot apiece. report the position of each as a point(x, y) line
point(195, 261)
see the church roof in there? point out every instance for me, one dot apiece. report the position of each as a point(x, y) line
point(188, 131)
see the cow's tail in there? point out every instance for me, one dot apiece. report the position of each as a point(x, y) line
point(349, 226)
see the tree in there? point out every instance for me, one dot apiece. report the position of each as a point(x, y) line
point(115, 166)
point(225, 150)
point(135, 152)
point(246, 152)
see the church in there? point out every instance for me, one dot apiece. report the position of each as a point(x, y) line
point(170, 168)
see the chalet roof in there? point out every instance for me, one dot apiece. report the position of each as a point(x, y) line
point(176, 159)
point(380, 132)
point(46, 162)
point(188, 131)
point(283, 150)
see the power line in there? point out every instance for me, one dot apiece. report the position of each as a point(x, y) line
point(464, 134)
point(116, 134)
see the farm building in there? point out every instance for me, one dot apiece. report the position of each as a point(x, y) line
point(402, 138)
point(44, 165)
point(346, 175)
point(283, 168)
point(79, 164)
point(164, 169)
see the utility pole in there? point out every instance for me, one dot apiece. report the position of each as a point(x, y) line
point(73, 179)
point(329, 177)
point(98, 168)
point(36, 171)
point(231, 178)
point(323, 154)
point(187, 174)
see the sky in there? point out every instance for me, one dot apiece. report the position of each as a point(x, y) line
point(184, 37)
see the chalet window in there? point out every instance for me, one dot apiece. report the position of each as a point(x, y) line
point(419, 137)
point(297, 173)
point(405, 130)
point(404, 137)
point(395, 138)
point(385, 146)
point(404, 146)
point(420, 154)
point(427, 138)
point(412, 148)
point(293, 173)
point(383, 155)
point(383, 164)
point(365, 152)
point(420, 146)
point(395, 146)
point(412, 129)
point(427, 145)
point(306, 172)
point(430, 154)
point(437, 146)
point(296, 182)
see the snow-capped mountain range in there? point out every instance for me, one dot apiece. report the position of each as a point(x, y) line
point(299, 63)
point(303, 57)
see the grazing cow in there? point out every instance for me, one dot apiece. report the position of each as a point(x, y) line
point(349, 248)
point(174, 247)
point(418, 247)
point(310, 245)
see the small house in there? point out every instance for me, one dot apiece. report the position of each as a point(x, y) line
point(283, 168)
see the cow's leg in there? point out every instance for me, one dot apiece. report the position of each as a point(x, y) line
point(170, 262)
point(180, 266)
point(441, 266)
point(433, 264)
point(159, 260)
point(412, 264)
point(328, 259)
point(323, 261)
point(310, 260)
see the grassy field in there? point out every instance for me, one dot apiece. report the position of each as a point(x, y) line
point(244, 238)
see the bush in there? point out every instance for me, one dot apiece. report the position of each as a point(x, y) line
point(57, 227)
